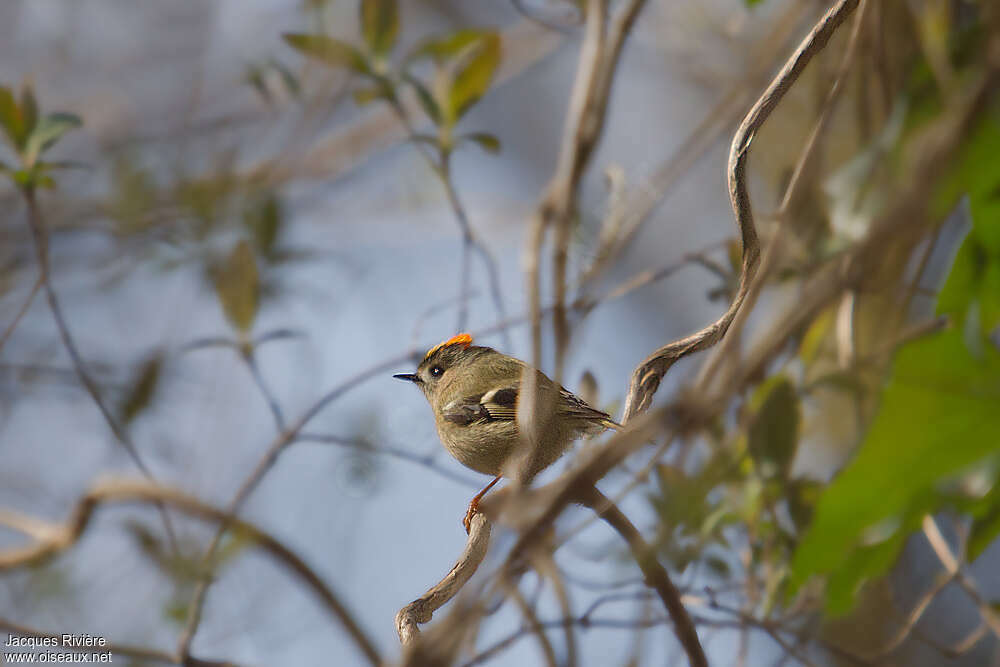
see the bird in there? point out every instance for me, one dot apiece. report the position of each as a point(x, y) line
point(475, 394)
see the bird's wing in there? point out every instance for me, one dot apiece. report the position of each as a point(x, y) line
point(501, 405)
point(496, 405)
point(574, 406)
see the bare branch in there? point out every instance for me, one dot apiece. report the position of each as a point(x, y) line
point(422, 609)
point(41, 240)
point(22, 311)
point(655, 575)
point(58, 537)
point(953, 566)
point(646, 378)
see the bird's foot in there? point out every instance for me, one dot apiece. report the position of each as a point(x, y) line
point(473, 511)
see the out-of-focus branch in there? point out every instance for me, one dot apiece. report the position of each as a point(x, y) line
point(953, 567)
point(272, 402)
point(422, 609)
point(537, 629)
point(426, 460)
point(912, 618)
point(654, 573)
point(39, 235)
point(22, 311)
point(53, 538)
point(625, 219)
point(793, 192)
point(442, 169)
point(585, 118)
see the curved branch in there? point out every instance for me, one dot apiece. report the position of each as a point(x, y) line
point(40, 236)
point(647, 376)
point(53, 538)
point(655, 575)
point(422, 609)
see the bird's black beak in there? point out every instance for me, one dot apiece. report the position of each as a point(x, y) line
point(409, 377)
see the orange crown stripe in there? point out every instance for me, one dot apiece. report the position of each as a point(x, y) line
point(463, 339)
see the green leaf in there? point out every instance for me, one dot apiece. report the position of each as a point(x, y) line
point(329, 51)
point(263, 218)
point(774, 432)
point(973, 285)
point(802, 495)
point(986, 526)
point(427, 101)
point(11, 119)
point(363, 96)
point(238, 287)
point(939, 415)
point(379, 24)
point(473, 75)
point(486, 141)
point(440, 49)
point(752, 3)
point(47, 132)
point(142, 388)
point(29, 108)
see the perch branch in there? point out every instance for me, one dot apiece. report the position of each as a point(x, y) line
point(422, 609)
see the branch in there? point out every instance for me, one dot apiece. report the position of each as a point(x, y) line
point(41, 240)
point(647, 377)
point(953, 567)
point(654, 573)
point(422, 609)
point(53, 538)
point(443, 171)
point(22, 311)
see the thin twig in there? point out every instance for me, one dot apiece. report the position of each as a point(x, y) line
point(272, 402)
point(400, 453)
point(655, 575)
point(953, 566)
point(442, 169)
point(22, 311)
point(40, 236)
point(535, 625)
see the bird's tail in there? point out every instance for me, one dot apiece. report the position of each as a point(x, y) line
point(608, 423)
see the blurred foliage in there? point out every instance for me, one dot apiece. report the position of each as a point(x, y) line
point(938, 414)
point(29, 134)
point(925, 421)
point(184, 567)
point(142, 388)
point(464, 64)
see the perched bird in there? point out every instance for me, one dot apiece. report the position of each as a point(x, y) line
point(475, 394)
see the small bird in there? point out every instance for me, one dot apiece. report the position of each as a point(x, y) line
point(474, 392)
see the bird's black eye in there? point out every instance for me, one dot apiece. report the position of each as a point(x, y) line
point(437, 371)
